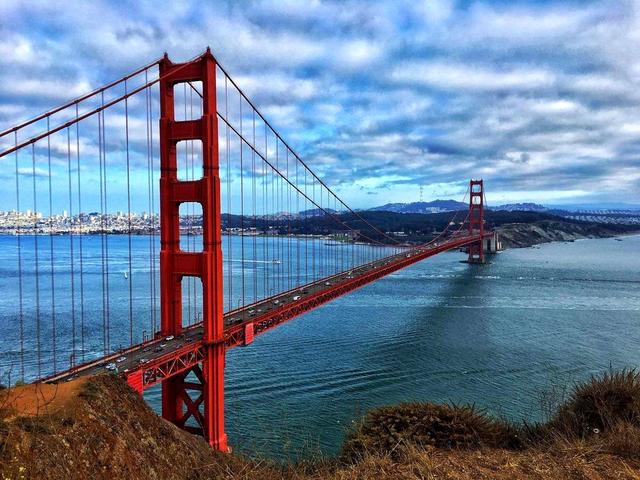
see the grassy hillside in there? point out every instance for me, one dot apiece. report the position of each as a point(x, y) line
point(100, 429)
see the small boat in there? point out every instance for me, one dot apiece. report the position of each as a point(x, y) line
point(126, 275)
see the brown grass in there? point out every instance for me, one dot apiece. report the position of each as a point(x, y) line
point(384, 429)
point(600, 405)
point(101, 429)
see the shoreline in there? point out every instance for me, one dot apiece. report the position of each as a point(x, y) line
point(523, 235)
point(622, 235)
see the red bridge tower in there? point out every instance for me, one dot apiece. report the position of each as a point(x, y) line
point(182, 397)
point(476, 220)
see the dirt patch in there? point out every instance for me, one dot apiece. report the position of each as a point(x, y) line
point(39, 398)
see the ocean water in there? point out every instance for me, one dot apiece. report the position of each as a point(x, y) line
point(496, 335)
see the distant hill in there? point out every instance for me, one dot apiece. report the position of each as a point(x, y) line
point(521, 207)
point(315, 212)
point(436, 206)
point(581, 207)
point(439, 206)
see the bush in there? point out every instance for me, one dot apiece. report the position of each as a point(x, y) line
point(600, 404)
point(444, 426)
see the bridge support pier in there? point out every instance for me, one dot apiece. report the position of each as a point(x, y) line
point(193, 399)
point(476, 220)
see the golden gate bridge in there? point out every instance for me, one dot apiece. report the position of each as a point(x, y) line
point(185, 139)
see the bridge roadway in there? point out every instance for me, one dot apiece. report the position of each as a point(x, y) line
point(150, 362)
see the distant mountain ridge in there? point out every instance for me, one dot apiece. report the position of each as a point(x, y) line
point(439, 206)
point(521, 207)
point(435, 206)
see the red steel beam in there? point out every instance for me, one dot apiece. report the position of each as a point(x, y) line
point(177, 361)
point(175, 264)
point(184, 358)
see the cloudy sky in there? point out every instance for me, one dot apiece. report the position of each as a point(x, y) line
point(539, 98)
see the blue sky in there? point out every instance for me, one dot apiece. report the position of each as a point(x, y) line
point(538, 98)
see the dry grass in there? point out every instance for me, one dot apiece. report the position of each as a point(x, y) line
point(600, 405)
point(432, 463)
point(384, 429)
point(600, 415)
point(101, 429)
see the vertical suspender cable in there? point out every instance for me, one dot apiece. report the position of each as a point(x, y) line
point(241, 203)
point(71, 255)
point(298, 221)
point(19, 241)
point(305, 223)
point(106, 237)
point(51, 263)
point(187, 176)
point(288, 226)
point(323, 262)
point(106, 240)
point(37, 260)
point(281, 267)
point(154, 309)
point(153, 224)
point(253, 193)
point(314, 268)
point(126, 127)
point(289, 231)
point(80, 239)
point(265, 243)
point(102, 238)
point(275, 188)
point(275, 253)
point(193, 214)
point(229, 211)
point(149, 209)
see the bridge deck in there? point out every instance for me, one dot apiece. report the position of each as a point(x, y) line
point(150, 362)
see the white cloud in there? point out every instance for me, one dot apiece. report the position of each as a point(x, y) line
point(407, 91)
point(451, 76)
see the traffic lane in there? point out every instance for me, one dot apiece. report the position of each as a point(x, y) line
point(134, 359)
point(145, 354)
point(278, 301)
point(139, 357)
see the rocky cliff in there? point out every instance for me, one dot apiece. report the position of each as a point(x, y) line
point(517, 235)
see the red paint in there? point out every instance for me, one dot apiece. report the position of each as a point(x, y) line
point(174, 363)
point(248, 333)
point(135, 381)
point(178, 404)
point(476, 220)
